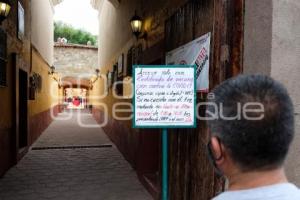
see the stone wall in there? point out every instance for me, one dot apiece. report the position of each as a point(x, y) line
point(75, 60)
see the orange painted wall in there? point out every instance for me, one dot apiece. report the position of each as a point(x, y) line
point(49, 95)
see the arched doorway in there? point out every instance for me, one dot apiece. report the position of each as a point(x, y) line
point(75, 98)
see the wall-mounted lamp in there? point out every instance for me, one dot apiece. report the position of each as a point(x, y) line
point(98, 75)
point(97, 72)
point(60, 83)
point(5, 7)
point(57, 79)
point(136, 23)
point(52, 70)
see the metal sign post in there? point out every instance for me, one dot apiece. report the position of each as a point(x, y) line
point(164, 97)
point(165, 164)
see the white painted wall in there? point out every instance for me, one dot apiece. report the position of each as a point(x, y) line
point(114, 29)
point(42, 28)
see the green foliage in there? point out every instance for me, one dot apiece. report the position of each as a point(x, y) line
point(73, 35)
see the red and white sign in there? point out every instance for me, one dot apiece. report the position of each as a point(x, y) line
point(194, 52)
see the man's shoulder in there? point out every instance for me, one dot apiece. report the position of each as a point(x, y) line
point(285, 191)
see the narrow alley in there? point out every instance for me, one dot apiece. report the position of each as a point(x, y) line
point(109, 99)
point(72, 162)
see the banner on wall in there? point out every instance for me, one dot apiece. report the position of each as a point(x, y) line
point(196, 53)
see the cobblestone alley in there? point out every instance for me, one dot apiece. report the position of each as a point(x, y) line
point(71, 162)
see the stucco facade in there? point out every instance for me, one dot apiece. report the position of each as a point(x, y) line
point(31, 54)
point(42, 28)
point(7, 105)
point(272, 47)
point(257, 36)
point(115, 34)
point(285, 67)
point(48, 95)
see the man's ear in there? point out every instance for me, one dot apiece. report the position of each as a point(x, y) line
point(217, 150)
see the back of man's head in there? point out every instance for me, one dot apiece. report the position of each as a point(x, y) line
point(255, 140)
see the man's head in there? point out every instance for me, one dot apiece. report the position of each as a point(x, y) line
point(259, 136)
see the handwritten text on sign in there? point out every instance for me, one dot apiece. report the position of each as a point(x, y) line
point(164, 96)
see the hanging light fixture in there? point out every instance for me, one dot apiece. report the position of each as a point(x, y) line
point(5, 7)
point(98, 75)
point(52, 70)
point(136, 25)
point(97, 72)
